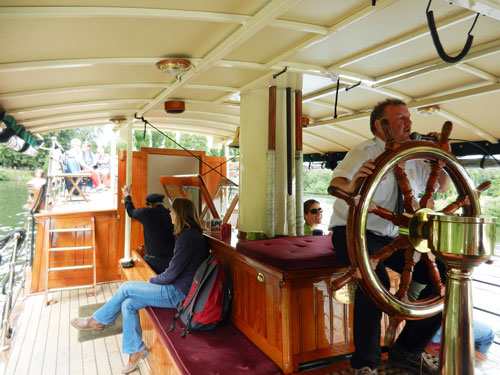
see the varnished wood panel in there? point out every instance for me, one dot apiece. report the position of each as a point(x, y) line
point(140, 160)
point(139, 192)
point(212, 177)
point(107, 254)
point(291, 316)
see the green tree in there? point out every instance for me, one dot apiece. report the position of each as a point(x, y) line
point(169, 143)
point(157, 139)
point(216, 152)
point(234, 154)
point(316, 181)
point(140, 139)
point(193, 142)
point(13, 159)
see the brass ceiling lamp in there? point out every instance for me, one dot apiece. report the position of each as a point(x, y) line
point(173, 66)
point(428, 110)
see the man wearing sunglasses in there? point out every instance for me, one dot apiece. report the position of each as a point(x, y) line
point(312, 217)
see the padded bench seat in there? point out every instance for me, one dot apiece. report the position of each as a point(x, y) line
point(293, 253)
point(222, 351)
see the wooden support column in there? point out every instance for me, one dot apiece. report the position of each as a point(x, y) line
point(299, 159)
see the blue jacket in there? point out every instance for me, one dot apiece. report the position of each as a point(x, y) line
point(190, 251)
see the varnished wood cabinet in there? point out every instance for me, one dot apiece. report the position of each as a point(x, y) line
point(290, 316)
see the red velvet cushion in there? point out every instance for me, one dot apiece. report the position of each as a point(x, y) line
point(222, 351)
point(292, 253)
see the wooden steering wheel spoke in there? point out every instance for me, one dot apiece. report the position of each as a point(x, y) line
point(460, 202)
point(350, 275)
point(411, 259)
point(390, 143)
point(410, 202)
point(482, 187)
point(432, 181)
point(430, 261)
point(400, 242)
point(398, 220)
point(350, 199)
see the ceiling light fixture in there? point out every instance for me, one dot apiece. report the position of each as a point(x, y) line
point(428, 110)
point(118, 120)
point(173, 66)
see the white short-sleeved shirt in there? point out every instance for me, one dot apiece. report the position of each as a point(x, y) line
point(387, 193)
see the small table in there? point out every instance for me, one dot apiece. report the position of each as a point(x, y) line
point(75, 179)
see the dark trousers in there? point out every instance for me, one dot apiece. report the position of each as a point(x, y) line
point(367, 317)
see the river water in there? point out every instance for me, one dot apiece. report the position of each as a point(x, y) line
point(13, 195)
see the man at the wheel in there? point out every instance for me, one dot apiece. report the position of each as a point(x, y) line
point(408, 351)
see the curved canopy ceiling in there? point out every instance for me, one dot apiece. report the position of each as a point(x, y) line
point(67, 64)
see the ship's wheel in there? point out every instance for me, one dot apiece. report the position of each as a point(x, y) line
point(413, 228)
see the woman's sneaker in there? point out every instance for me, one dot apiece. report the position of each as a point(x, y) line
point(417, 363)
point(364, 371)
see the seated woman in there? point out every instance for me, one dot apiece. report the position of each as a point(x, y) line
point(312, 216)
point(165, 290)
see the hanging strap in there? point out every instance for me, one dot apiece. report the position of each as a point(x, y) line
point(437, 42)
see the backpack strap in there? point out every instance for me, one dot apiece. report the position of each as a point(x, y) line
point(204, 277)
point(180, 308)
point(177, 314)
point(187, 328)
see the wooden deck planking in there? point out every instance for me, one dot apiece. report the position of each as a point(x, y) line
point(75, 348)
point(97, 201)
point(42, 333)
point(88, 357)
point(45, 342)
point(62, 364)
point(20, 335)
point(50, 360)
point(24, 355)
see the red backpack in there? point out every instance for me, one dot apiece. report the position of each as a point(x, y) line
point(209, 298)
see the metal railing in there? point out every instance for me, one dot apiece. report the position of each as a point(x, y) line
point(14, 280)
point(493, 287)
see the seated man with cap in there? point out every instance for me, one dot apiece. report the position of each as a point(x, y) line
point(159, 240)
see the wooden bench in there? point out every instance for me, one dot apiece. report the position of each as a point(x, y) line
point(222, 351)
point(283, 301)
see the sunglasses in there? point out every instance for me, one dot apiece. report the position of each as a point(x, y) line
point(314, 211)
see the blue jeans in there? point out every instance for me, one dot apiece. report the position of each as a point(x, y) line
point(483, 336)
point(128, 300)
